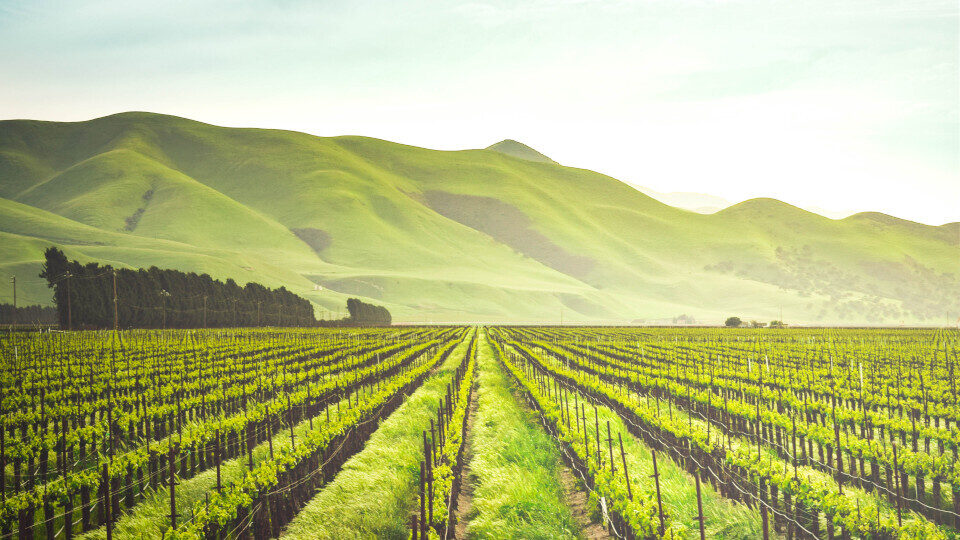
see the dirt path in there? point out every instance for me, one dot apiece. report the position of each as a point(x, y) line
point(576, 499)
point(465, 498)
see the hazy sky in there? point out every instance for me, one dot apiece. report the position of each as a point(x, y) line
point(840, 105)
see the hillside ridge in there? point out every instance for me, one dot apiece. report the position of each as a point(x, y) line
point(471, 235)
point(517, 149)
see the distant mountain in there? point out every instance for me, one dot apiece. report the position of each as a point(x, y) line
point(498, 234)
point(520, 150)
point(703, 203)
point(697, 202)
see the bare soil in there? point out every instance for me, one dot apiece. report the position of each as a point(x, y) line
point(465, 498)
point(576, 499)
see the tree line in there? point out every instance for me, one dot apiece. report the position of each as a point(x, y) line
point(736, 322)
point(163, 298)
point(35, 314)
point(367, 314)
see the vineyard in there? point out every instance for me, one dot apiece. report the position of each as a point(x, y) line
point(496, 432)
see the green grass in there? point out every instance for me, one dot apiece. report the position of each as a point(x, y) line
point(375, 492)
point(225, 200)
point(722, 517)
point(515, 465)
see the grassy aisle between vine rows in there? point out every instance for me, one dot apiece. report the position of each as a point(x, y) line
point(374, 494)
point(152, 516)
point(517, 493)
point(723, 518)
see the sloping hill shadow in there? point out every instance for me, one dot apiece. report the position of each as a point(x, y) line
point(508, 225)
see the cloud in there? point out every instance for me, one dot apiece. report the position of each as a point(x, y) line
point(737, 98)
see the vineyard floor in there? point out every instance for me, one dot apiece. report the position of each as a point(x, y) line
point(417, 433)
point(580, 507)
point(374, 494)
point(465, 498)
point(516, 466)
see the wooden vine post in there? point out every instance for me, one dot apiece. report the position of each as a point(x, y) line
point(218, 458)
point(623, 458)
point(423, 510)
point(596, 423)
point(173, 486)
point(761, 499)
point(610, 448)
point(293, 444)
point(703, 535)
point(105, 482)
point(896, 476)
point(656, 481)
point(586, 436)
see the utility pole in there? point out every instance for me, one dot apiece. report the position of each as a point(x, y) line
point(14, 279)
point(69, 310)
point(116, 323)
point(204, 311)
point(163, 303)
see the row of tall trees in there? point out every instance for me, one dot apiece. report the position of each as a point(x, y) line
point(35, 314)
point(364, 314)
point(156, 298)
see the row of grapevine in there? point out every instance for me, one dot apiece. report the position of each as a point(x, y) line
point(759, 445)
point(443, 453)
point(865, 443)
point(272, 493)
point(93, 423)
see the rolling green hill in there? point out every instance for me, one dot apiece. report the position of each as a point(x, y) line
point(519, 150)
point(499, 234)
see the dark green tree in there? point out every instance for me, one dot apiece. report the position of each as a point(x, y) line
point(733, 322)
point(156, 297)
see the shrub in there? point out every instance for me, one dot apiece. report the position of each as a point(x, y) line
point(733, 322)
